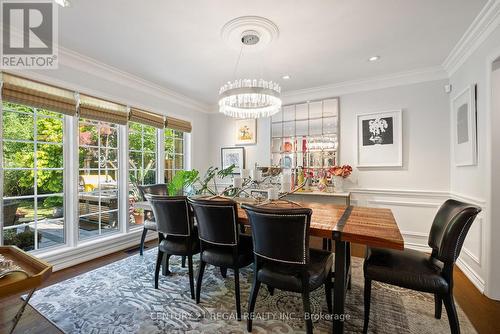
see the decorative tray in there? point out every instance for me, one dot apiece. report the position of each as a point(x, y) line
point(20, 271)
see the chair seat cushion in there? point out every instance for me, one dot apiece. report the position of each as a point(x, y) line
point(408, 269)
point(281, 275)
point(222, 256)
point(150, 225)
point(178, 245)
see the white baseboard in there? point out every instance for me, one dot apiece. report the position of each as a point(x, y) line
point(471, 275)
point(67, 257)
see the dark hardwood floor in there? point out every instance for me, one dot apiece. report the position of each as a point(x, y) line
point(483, 312)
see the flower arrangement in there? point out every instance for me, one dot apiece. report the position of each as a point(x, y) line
point(343, 171)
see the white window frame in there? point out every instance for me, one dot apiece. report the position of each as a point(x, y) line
point(119, 171)
point(74, 250)
point(35, 170)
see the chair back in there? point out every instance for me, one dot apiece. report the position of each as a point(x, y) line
point(154, 189)
point(171, 214)
point(217, 220)
point(280, 234)
point(449, 229)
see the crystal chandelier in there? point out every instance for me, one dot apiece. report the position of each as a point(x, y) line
point(246, 98)
point(249, 98)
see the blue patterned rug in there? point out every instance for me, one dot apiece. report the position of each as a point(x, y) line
point(120, 298)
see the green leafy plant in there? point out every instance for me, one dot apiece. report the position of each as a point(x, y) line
point(209, 177)
point(182, 179)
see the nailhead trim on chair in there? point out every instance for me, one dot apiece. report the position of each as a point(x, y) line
point(234, 224)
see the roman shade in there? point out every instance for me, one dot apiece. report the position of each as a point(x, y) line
point(178, 124)
point(38, 95)
point(147, 118)
point(100, 110)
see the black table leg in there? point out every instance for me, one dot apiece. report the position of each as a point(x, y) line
point(348, 264)
point(339, 286)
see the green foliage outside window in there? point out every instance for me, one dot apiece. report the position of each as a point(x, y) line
point(49, 132)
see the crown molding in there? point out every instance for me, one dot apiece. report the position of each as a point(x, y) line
point(367, 84)
point(104, 71)
point(482, 26)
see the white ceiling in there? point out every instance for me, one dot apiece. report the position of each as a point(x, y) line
point(177, 44)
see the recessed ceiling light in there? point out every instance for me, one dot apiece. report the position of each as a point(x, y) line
point(285, 77)
point(374, 58)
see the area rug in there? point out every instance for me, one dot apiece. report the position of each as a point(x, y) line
point(120, 298)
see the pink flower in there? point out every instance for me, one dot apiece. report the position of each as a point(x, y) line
point(85, 138)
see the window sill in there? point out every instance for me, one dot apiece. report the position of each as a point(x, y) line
point(64, 257)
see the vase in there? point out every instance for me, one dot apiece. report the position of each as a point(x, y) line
point(338, 183)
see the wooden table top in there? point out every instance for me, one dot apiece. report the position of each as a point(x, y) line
point(368, 226)
point(374, 227)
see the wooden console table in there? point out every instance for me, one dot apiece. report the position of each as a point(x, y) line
point(37, 271)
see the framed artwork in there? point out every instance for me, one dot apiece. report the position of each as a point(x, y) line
point(246, 131)
point(380, 139)
point(464, 129)
point(233, 155)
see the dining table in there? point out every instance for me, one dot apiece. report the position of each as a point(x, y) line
point(343, 224)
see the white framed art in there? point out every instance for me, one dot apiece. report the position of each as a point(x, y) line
point(464, 131)
point(246, 131)
point(380, 139)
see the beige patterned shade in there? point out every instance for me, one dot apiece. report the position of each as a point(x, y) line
point(147, 118)
point(101, 110)
point(38, 95)
point(178, 124)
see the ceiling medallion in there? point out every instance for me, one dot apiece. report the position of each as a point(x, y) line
point(249, 98)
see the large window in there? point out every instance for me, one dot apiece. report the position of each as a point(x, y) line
point(33, 187)
point(142, 162)
point(174, 153)
point(66, 171)
point(98, 178)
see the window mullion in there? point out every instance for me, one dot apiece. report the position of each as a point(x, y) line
point(160, 151)
point(35, 176)
point(123, 178)
point(71, 174)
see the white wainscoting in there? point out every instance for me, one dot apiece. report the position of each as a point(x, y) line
point(414, 211)
point(472, 259)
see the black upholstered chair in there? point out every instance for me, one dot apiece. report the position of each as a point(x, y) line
point(424, 272)
point(149, 220)
point(283, 259)
point(176, 233)
point(221, 243)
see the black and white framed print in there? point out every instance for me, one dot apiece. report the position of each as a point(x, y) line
point(233, 155)
point(380, 139)
point(464, 127)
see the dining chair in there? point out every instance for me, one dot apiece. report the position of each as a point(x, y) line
point(421, 271)
point(222, 245)
point(283, 259)
point(176, 233)
point(149, 219)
